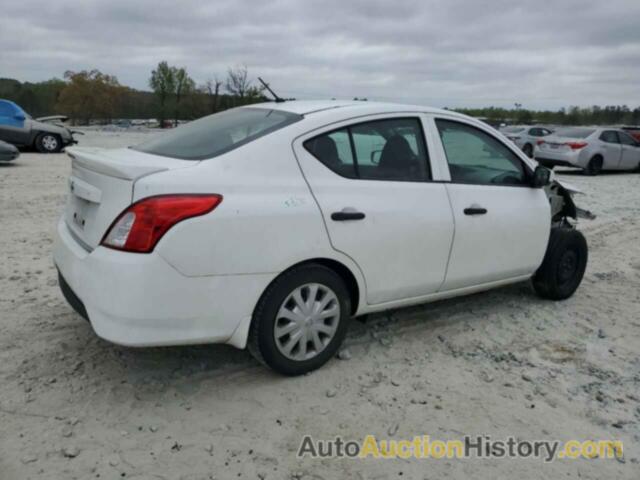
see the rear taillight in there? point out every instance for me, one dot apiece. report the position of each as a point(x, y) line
point(139, 228)
point(576, 145)
point(539, 142)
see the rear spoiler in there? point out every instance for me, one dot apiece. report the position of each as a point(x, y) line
point(115, 163)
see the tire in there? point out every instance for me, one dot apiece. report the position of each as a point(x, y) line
point(269, 349)
point(594, 167)
point(528, 150)
point(563, 266)
point(48, 143)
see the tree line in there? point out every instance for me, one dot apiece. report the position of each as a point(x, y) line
point(90, 95)
point(595, 115)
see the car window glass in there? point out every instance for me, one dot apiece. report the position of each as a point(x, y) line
point(574, 132)
point(477, 157)
point(334, 151)
point(609, 136)
point(216, 134)
point(626, 139)
point(6, 109)
point(392, 150)
point(535, 132)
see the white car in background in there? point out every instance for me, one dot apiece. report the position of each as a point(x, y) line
point(525, 137)
point(589, 148)
point(270, 226)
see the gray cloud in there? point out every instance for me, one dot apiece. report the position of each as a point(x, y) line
point(439, 52)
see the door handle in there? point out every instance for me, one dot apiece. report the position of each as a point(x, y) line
point(347, 214)
point(475, 210)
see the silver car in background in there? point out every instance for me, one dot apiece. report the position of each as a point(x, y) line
point(525, 137)
point(593, 149)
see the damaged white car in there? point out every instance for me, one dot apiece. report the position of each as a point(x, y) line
point(271, 226)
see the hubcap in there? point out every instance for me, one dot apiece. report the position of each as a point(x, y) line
point(49, 142)
point(307, 321)
point(568, 266)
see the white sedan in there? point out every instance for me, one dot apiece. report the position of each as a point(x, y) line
point(270, 226)
point(589, 148)
point(525, 137)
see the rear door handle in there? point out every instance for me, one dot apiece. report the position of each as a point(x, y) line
point(347, 214)
point(475, 210)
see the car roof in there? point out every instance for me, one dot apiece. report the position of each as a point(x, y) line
point(345, 107)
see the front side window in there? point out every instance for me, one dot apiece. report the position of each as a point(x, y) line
point(609, 136)
point(478, 158)
point(392, 150)
point(216, 134)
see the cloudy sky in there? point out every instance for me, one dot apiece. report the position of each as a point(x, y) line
point(543, 54)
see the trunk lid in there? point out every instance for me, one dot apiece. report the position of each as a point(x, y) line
point(101, 187)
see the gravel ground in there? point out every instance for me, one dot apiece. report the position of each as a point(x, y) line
point(503, 363)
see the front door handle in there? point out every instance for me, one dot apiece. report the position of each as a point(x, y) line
point(347, 214)
point(475, 210)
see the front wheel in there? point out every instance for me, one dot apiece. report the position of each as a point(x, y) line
point(300, 320)
point(563, 266)
point(48, 143)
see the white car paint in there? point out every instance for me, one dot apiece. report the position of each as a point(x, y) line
point(525, 136)
point(556, 150)
point(202, 281)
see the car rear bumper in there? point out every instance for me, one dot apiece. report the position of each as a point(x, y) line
point(140, 300)
point(550, 158)
point(552, 162)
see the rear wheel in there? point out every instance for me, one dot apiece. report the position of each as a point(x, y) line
point(563, 266)
point(300, 320)
point(595, 166)
point(48, 143)
point(528, 150)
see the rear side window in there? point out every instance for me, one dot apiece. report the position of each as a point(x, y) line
point(626, 139)
point(609, 136)
point(216, 134)
point(391, 150)
point(574, 132)
point(478, 158)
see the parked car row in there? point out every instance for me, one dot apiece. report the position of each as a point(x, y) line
point(18, 128)
point(592, 149)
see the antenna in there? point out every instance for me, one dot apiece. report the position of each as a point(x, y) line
point(275, 96)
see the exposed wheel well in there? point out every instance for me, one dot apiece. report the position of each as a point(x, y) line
point(344, 272)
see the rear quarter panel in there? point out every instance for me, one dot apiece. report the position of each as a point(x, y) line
point(268, 219)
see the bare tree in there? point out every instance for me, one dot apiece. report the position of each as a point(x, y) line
point(212, 88)
point(238, 82)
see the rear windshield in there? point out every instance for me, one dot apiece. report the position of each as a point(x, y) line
point(216, 134)
point(574, 132)
point(512, 129)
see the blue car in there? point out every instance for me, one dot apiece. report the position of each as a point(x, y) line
point(18, 128)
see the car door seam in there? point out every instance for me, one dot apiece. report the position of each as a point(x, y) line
point(453, 239)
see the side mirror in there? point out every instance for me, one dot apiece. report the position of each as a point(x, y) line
point(19, 116)
point(541, 177)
